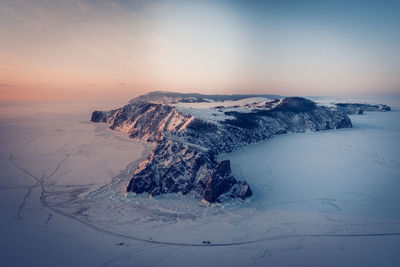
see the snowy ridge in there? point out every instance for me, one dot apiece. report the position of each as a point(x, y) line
point(172, 98)
point(189, 136)
point(144, 121)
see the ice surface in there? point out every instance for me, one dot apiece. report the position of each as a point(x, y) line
point(354, 172)
point(320, 199)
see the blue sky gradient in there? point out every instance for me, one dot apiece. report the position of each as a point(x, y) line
point(73, 49)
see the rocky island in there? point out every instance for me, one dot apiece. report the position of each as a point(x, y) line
point(190, 130)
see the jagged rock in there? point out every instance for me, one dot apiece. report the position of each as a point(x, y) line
point(174, 167)
point(185, 156)
point(223, 182)
point(102, 116)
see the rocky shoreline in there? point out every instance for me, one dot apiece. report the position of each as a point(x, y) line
point(186, 146)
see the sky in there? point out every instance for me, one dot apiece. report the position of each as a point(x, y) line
point(115, 49)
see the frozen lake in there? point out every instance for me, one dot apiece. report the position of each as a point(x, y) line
point(347, 171)
point(329, 198)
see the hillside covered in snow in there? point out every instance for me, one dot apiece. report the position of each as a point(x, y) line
point(190, 130)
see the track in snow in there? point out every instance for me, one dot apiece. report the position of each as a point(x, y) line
point(43, 200)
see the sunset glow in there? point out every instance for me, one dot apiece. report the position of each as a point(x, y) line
point(83, 49)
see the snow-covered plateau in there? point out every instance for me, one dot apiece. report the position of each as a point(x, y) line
point(320, 198)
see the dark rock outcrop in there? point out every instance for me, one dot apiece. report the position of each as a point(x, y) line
point(174, 167)
point(184, 160)
point(222, 182)
point(102, 116)
point(357, 108)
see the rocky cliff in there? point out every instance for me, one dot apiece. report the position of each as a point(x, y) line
point(360, 108)
point(191, 130)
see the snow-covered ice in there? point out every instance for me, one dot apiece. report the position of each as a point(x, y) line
point(320, 199)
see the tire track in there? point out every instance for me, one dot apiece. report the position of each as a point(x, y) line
point(59, 165)
point(22, 205)
point(44, 203)
point(12, 160)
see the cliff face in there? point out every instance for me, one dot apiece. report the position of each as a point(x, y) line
point(184, 159)
point(144, 121)
point(174, 167)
